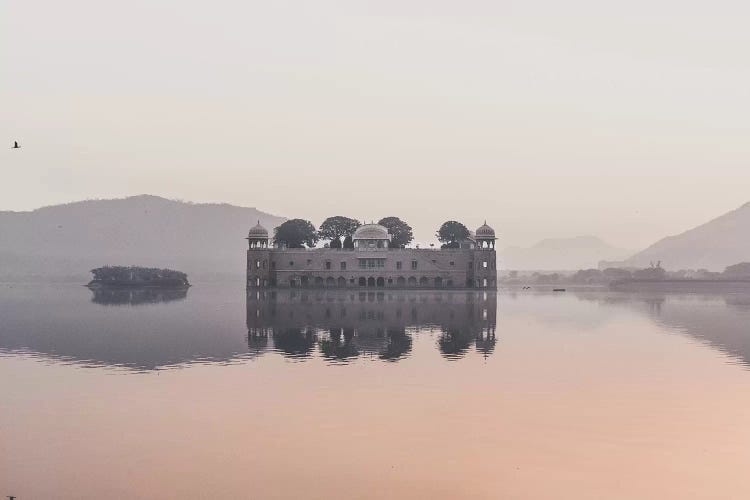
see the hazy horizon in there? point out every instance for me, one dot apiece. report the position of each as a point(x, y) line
point(584, 239)
point(548, 120)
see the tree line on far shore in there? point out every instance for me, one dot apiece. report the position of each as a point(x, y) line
point(338, 231)
point(655, 272)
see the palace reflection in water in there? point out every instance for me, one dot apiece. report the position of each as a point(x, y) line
point(221, 324)
point(342, 325)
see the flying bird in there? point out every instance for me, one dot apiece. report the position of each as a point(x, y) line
point(15, 145)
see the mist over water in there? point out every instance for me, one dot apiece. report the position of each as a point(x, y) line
point(281, 394)
point(590, 136)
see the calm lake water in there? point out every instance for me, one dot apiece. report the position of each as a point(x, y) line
point(216, 394)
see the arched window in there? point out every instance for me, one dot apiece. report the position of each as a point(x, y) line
point(412, 281)
point(400, 281)
point(342, 282)
point(423, 281)
point(438, 282)
point(362, 281)
point(370, 281)
point(381, 282)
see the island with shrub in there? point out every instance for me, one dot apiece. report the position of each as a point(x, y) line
point(134, 276)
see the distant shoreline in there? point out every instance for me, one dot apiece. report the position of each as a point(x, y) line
point(696, 285)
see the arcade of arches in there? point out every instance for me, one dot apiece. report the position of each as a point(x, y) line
point(375, 282)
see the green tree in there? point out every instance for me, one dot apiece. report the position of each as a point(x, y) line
point(296, 233)
point(399, 230)
point(337, 227)
point(451, 233)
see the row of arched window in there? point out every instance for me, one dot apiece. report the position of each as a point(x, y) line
point(371, 282)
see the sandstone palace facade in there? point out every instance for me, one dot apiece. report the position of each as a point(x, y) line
point(372, 264)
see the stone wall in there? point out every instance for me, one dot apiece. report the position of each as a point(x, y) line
point(340, 268)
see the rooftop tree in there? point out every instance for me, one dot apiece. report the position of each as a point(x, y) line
point(337, 227)
point(296, 233)
point(399, 230)
point(451, 233)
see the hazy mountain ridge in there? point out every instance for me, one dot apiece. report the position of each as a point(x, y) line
point(579, 252)
point(66, 241)
point(206, 240)
point(718, 243)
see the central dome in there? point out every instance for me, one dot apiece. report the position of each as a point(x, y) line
point(371, 232)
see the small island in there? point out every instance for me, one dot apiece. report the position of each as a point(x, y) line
point(134, 276)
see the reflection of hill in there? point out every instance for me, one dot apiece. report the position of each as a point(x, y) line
point(136, 296)
point(348, 324)
point(717, 321)
point(720, 320)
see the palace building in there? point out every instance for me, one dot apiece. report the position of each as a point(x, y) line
point(372, 263)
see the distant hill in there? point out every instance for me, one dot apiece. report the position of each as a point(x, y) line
point(580, 252)
point(66, 241)
point(714, 245)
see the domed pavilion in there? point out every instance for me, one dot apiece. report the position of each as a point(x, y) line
point(371, 236)
point(258, 236)
point(485, 236)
